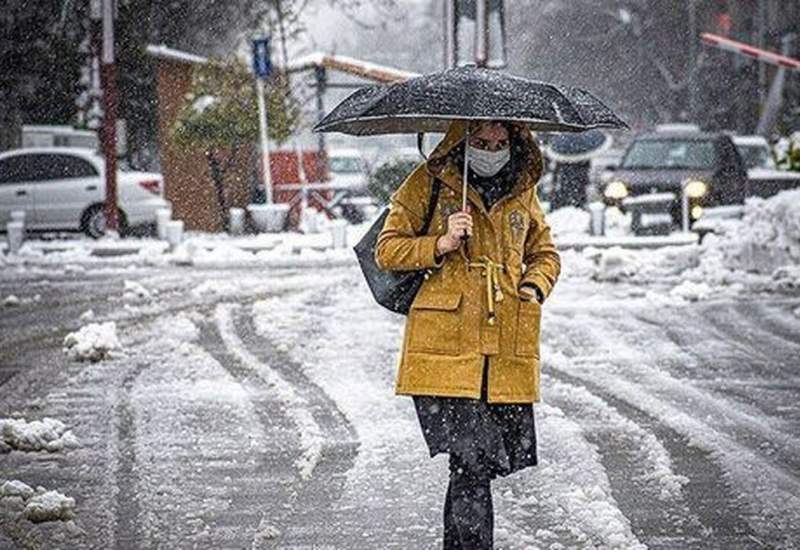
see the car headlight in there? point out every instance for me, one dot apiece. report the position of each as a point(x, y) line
point(616, 190)
point(695, 189)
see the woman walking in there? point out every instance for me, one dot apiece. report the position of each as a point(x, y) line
point(470, 351)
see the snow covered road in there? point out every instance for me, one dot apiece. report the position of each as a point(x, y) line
point(253, 407)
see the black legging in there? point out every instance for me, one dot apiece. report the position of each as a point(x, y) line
point(468, 511)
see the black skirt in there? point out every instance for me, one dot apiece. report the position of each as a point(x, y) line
point(498, 437)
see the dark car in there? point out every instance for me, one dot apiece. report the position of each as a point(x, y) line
point(658, 168)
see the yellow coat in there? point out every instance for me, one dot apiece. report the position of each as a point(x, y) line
point(448, 330)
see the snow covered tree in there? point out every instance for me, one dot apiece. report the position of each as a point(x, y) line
point(220, 115)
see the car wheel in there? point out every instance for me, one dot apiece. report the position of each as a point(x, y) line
point(93, 222)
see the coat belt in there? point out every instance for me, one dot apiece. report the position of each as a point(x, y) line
point(493, 292)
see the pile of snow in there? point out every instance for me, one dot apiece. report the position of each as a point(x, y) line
point(39, 505)
point(213, 287)
point(94, 342)
point(11, 301)
point(615, 264)
point(135, 292)
point(49, 435)
point(568, 220)
point(764, 243)
point(691, 292)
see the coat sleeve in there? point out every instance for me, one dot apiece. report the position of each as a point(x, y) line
point(541, 259)
point(398, 247)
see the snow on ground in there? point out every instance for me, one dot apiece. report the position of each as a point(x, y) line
point(48, 434)
point(568, 220)
point(711, 422)
point(311, 439)
point(93, 342)
point(760, 251)
point(352, 353)
point(135, 292)
point(190, 419)
point(653, 458)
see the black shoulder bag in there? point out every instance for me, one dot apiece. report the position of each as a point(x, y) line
point(394, 290)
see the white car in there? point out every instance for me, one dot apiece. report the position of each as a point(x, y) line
point(63, 188)
point(348, 170)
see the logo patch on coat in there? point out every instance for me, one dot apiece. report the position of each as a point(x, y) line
point(516, 220)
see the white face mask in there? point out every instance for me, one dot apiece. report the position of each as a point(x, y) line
point(488, 163)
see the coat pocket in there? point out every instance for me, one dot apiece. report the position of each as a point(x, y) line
point(435, 323)
point(529, 317)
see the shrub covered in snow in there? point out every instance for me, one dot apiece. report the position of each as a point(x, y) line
point(48, 434)
point(94, 342)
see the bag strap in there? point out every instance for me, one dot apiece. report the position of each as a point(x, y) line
point(431, 205)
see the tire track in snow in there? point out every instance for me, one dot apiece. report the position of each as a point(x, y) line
point(640, 354)
point(662, 488)
point(766, 495)
point(327, 441)
point(213, 447)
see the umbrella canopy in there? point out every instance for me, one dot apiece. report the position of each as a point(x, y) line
point(576, 147)
point(428, 103)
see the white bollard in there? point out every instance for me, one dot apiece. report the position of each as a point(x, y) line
point(18, 216)
point(175, 232)
point(597, 224)
point(269, 218)
point(163, 216)
point(15, 232)
point(236, 225)
point(338, 230)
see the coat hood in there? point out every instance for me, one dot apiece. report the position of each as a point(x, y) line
point(442, 154)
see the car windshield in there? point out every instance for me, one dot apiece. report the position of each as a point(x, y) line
point(755, 156)
point(346, 165)
point(673, 153)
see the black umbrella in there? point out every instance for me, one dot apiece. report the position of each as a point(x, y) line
point(428, 103)
point(579, 147)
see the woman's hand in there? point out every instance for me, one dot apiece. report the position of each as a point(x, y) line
point(457, 224)
point(529, 292)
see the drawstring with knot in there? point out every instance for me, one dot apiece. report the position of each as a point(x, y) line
point(493, 292)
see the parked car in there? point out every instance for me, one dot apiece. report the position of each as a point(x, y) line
point(658, 166)
point(63, 188)
point(51, 135)
point(348, 171)
point(762, 171)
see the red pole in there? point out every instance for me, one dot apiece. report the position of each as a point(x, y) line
point(109, 137)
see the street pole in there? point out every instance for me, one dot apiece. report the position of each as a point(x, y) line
point(109, 130)
point(450, 57)
point(481, 33)
point(693, 62)
point(262, 130)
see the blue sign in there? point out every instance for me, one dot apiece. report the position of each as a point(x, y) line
point(262, 65)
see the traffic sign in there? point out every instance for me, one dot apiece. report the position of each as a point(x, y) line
point(262, 65)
